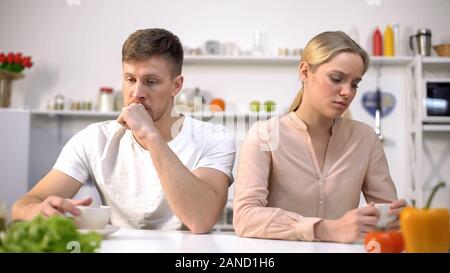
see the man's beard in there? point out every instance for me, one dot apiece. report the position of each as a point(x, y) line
point(158, 115)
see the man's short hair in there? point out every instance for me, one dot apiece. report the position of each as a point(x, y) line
point(145, 43)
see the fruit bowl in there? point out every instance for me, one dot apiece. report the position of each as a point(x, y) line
point(442, 50)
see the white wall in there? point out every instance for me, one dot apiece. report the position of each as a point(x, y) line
point(77, 48)
point(14, 141)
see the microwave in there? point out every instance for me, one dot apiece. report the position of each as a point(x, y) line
point(436, 101)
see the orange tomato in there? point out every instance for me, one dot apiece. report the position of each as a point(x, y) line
point(384, 242)
point(217, 105)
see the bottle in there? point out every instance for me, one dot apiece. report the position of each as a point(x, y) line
point(389, 42)
point(397, 40)
point(105, 100)
point(377, 43)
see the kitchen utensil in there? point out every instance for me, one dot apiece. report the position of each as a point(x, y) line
point(213, 47)
point(423, 42)
point(378, 109)
point(190, 99)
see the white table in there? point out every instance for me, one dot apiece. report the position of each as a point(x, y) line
point(154, 241)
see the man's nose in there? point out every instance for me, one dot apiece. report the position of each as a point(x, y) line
point(139, 92)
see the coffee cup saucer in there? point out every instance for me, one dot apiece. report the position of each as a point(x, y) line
point(108, 230)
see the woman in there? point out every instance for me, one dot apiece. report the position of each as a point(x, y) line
point(300, 175)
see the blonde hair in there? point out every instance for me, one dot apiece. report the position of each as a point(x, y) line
point(323, 48)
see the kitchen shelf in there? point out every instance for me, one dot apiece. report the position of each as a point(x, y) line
point(436, 60)
point(260, 114)
point(436, 127)
point(206, 115)
point(243, 60)
point(390, 61)
point(255, 60)
point(75, 113)
point(422, 178)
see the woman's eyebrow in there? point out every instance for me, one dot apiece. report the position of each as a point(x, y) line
point(345, 74)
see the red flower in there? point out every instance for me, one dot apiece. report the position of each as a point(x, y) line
point(10, 57)
point(14, 62)
point(18, 58)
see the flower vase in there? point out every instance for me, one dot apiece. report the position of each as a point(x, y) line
point(6, 79)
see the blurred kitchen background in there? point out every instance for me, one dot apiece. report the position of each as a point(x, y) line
point(237, 53)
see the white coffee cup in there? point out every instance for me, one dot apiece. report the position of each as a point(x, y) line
point(92, 217)
point(385, 218)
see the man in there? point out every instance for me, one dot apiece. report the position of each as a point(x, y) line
point(156, 169)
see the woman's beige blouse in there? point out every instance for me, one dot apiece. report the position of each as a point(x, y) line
point(280, 191)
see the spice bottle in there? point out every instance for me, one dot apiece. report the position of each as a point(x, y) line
point(105, 100)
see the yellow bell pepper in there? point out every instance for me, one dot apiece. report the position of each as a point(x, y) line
point(425, 230)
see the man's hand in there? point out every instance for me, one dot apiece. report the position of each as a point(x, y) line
point(135, 118)
point(55, 205)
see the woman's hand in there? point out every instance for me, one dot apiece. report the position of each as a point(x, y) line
point(351, 227)
point(395, 209)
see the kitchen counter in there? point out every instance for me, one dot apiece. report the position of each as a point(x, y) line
point(128, 240)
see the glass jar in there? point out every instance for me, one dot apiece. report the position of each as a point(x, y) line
point(105, 100)
point(59, 102)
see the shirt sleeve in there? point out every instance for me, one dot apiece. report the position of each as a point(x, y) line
point(219, 152)
point(378, 186)
point(74, 157)
point(251, 216)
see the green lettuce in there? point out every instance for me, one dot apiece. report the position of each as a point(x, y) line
point(54, 234)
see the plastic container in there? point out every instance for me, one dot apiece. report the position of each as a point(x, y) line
point(389, 50)
point(397, 40)
point(377, 43)
point(105, 100)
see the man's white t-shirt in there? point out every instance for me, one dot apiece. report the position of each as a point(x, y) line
point(124, 173)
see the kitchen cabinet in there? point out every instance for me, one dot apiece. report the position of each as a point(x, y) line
point(429, 142)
